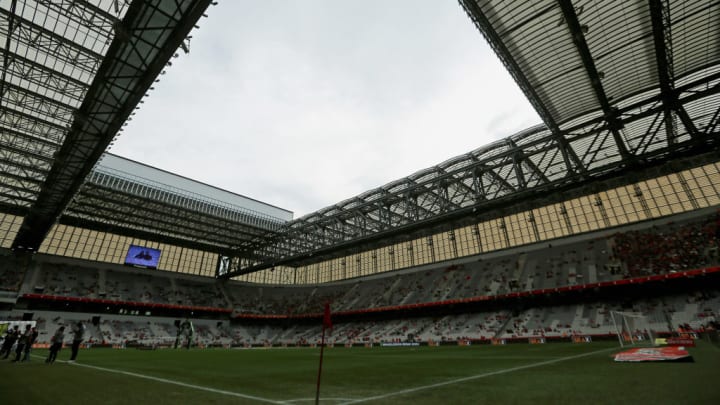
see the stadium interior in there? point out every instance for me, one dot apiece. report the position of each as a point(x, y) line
point(611, 204)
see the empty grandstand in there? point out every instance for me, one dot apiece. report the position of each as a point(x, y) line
point(612, 204)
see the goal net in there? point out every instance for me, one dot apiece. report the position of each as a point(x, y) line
point(632, 329)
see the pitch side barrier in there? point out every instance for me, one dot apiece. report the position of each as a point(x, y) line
point(198, 310)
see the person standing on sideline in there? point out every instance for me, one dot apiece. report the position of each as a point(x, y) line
point(33, 337)
point(10, 338)
point(78, 332)
point(56, 344)
point(23, 341)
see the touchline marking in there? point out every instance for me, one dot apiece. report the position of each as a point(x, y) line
point(474, 377)
point(290, 401)
point(182, 384)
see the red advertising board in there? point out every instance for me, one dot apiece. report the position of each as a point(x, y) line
point(670, 353)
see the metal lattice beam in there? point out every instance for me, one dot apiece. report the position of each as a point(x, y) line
point(7, 55)
point(572, 162)
point(612, 118)
point(34, 36)
point(660, 18)
point(38, 104)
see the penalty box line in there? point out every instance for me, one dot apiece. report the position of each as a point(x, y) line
point(182, 384)
point(475, 377)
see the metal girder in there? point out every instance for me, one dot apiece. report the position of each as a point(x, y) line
point(129, 207)
point(89, 223)
point(497, 179)
point(42, 147)
point(660, 17)
point(136, 215)
point(157, 194)
point(145, 40)
point(25, 183)
point(627, 111)
point(366, 217)
point(6, 52)
point(714, 122)
point(34, 36)
point(39, 163)
point(519, 158)
point(612, 118)
point(17, 192)
point(26, 167)
point(661, 40)
point(13, 122)
point(10, 111)
point(572, 162)
point(38, 104)
point(84, 14)
point(46, 77)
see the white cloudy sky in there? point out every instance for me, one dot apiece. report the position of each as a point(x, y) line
point(304, 103)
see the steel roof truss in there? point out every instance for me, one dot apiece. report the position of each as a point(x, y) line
point(27, 127)
point(714, 121)
point(162, 209)
point(134, 214)
point(85, 14)
point(519, 159)
point(15, 196)
point(611, 114)
point(38, 103)
point(21, 115)
point(39, 38)
point(572, 162)
point(15, 192)
point(651, 134)
point(46, 77)
point(24, 144)
point(23, 162)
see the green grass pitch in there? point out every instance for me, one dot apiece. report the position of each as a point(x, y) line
point(553, 373)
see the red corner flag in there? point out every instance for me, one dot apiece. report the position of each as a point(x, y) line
point(327, 322)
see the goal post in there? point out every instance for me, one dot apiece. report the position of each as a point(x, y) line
point(632, 328)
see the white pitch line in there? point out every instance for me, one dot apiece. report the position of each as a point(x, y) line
point(474, 377)
point(290, 401)
point(182, 384)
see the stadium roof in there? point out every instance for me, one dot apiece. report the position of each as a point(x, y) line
point(620, 86)
point(73, 72)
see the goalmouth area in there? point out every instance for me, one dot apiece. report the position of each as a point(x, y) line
point(516, 373)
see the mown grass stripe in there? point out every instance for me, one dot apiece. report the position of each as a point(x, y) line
point(474, 377)
point(182, 384)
